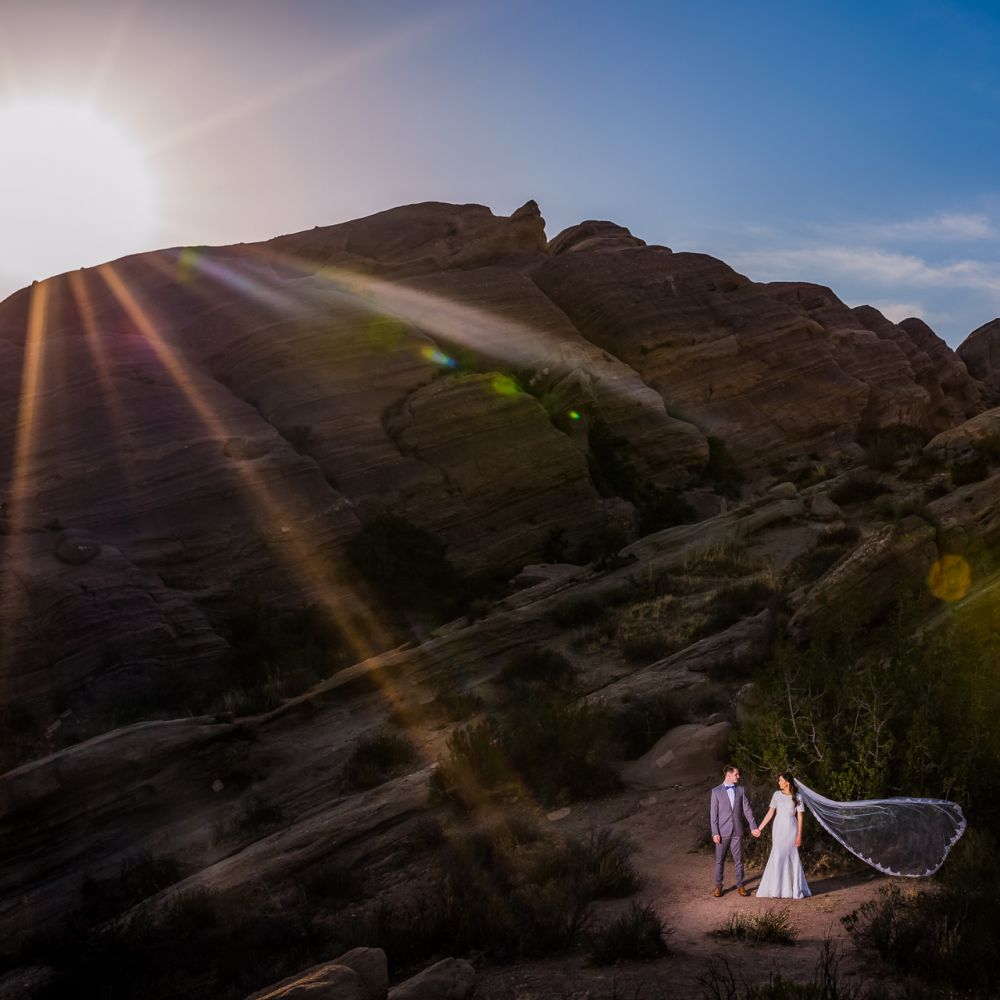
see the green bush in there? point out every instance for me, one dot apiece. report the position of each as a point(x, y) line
point(636, 935)
point(377, 758)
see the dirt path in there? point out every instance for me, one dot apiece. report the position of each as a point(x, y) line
point(669, 829)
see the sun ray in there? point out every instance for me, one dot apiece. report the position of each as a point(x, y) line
point(314, 77)
point(110, 396)
point(115, 40)
point(23, 472)
point(351, 616)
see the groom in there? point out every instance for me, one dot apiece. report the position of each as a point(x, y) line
point(729, 808)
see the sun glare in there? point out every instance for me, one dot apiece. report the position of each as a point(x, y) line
point(75, 189)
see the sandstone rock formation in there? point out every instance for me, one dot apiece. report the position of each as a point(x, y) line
point(981, 353)
point(962, 441)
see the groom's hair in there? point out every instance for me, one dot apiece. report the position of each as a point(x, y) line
point(729, 768)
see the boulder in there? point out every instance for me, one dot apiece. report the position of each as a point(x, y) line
point(449, 979)
point(822, 508)
point(686, 755)
point(329, 981)
point(962, 441)
point(981, 353)
point(869, 581)
point(372, 969)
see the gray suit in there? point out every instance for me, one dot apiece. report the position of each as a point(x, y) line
point(727, 823)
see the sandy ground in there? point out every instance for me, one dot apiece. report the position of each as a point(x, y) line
point(670, 830)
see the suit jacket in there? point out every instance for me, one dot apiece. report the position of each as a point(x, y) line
point(728, 822)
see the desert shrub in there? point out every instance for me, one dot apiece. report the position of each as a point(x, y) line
point(973, 470)
point(766, 927)
point(659, 509)
point(812, 565)
point(139, 877)
point(406, 566)
point(20, 734)
point(722, 470)
point(640, 722)
point(828, 983)
point(610, 461)
point(935, 491)
point(636, 935)
point(558, 748)
point(580, 610)
point(538, 666)
point(882, 453)
point(377, 758)
point(727, 560)
point(945, 935)
point(988, 449)
point(205, 944)
point(840, 534)
point(645, 648)
point(555, 546)
point(331, 882)
point(253, 817)
point(730, 604)
point(857, 489)
point(505, 890)
point(455, 706)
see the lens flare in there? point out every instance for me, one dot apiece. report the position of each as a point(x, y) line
point(950, 578)
point(504, 385)
point(432, 354)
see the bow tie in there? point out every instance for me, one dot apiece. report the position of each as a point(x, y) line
point(728, 788)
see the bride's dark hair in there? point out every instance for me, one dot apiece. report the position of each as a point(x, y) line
point(789, 777)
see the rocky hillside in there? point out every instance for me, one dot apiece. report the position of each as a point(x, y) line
point(260, 502)
point(182, 426)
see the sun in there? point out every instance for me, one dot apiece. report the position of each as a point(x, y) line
point(75, 189)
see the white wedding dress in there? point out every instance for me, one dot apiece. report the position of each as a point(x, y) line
point(783, 875)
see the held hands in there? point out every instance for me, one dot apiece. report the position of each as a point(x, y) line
point(755, 833)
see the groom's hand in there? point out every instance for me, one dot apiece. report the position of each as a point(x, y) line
point(717, 839)
point(755, 833)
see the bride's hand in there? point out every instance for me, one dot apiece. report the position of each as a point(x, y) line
point(798, 841)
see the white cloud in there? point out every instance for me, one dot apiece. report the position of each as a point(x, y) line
point(881, 267)
point(943, 227)
point(897, 311)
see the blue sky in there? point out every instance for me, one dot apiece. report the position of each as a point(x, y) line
point(852, 144)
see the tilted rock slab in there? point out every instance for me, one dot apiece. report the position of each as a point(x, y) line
point(449, 979)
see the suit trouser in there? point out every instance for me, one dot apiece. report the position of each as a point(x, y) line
point(734, 845)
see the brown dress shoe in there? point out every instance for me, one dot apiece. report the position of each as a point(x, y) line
point(742, 891)
point(717, 891)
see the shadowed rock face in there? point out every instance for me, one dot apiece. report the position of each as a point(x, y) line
point(180, 424)
point(981, 353)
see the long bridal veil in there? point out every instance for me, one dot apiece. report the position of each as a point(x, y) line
point(909, 837)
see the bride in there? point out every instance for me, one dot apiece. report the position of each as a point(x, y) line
point(783, 875)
